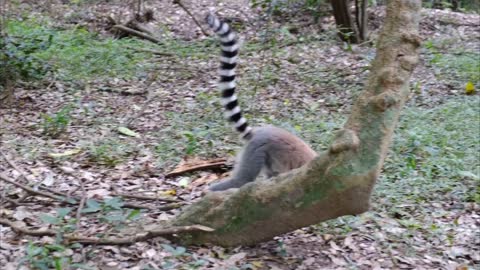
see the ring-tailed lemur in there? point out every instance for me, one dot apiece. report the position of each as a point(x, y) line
point(268, 149)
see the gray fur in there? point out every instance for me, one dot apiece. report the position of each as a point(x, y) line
point(270, 151)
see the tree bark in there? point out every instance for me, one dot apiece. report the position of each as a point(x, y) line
point(346, 27)
point(363, 27)
point(338, 182)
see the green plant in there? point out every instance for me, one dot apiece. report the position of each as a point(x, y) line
point(56, 255)
point(464, 65)
point(45, 257)
point(72, 54)
point(108, 152)
point(111, 211)
point(179, 252)
point(440, 157)
point(192, 143)
point(18, 55)
point(56, 124)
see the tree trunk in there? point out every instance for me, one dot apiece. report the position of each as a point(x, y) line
point(343, 18)
point(338, 182)
point(6, 91)
point(455, 5)
point(363, 27)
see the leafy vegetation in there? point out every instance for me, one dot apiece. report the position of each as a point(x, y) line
point(73, 54)
point(59, 254)
point(465, 65)
point(426, 165)
point(109, 152)
point(437, 159)
point(55, 124)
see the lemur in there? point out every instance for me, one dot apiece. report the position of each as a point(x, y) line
point(268, 149)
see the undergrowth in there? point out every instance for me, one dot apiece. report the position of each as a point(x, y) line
point(72, 54)
point(435, 154)
point(433, 161)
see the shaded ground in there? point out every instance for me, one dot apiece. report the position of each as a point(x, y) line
point(425, 207)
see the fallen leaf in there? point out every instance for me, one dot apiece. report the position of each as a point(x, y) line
point(128, 132)
point(183, 182)
point(205, 179)
point(171, 192)
point(66, 153)
point(232, 260)
point(469, 88)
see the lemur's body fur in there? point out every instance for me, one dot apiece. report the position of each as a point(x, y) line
point(268, 150)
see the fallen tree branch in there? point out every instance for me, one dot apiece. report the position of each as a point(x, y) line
point(206, 165)
point(139, 27)
point(136, 33)
point(139, 237)
point(179, 2)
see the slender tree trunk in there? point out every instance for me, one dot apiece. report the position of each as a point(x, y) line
point(338, 182)
point(364, 21)
point(361, 19)
point(343, 18)
point(455, 5)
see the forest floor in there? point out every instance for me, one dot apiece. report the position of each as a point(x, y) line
point(101, 117)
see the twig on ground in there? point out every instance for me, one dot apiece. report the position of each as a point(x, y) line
point(61, 198)
point(64, 198)
point(136, 33)
point(138, 206)
point(179, 2)
point(14, 202)
point(27, 178)
point(32, 191)
point(170, 206)
point(146, 197)
point(18, 229)
point(143, 236)
point(14, 166)
point(82, 202)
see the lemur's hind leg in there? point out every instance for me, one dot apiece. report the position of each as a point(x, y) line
point(248, 166)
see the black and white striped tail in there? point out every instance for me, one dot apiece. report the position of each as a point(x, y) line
point(228, 61)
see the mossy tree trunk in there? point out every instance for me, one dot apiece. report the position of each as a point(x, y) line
point(339, 182)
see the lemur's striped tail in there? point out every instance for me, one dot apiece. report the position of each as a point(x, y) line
point(228, 61)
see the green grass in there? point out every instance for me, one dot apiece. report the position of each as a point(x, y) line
point(78, 55)
point(434, 154)
point(462, 64)
point(433, 159)
point(73, 54)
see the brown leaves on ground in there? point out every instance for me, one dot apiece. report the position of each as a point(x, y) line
point(323, 77)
